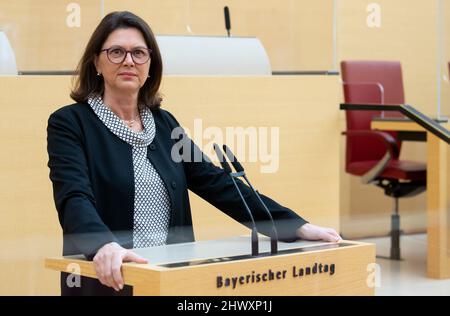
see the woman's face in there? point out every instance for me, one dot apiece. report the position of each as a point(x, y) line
point(127, 76)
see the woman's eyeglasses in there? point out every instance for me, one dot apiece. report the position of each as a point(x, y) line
point(117, 54)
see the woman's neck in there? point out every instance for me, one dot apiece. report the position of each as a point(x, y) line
point(124, 105)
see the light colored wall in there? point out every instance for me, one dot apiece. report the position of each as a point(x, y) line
point(308, 172)
point(408, 33)
point(445, 38)
point(29, 229)
point(39, 34)
point(297, 34)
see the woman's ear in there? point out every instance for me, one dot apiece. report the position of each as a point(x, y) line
point(96, 64)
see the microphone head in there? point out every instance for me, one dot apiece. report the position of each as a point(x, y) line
point(237, 166)
point(222, 159)
point(226, 11)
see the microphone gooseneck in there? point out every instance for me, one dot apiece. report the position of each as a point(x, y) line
point(240, 172)
point(226, 167)
point(226, 12)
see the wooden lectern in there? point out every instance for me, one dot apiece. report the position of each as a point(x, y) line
point(225, 267)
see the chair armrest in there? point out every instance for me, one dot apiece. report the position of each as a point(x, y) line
point(386, 138)
point(391, 152)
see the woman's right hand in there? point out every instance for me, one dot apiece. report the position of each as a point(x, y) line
point(108, 263)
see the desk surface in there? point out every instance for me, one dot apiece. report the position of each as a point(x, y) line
point(212, 249)
point(401, 125)
point(388, 125)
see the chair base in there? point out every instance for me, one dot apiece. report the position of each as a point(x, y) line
point(395, 236)
point(389, 258)
point(396, 190)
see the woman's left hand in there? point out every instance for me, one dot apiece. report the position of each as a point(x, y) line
point(313, 232)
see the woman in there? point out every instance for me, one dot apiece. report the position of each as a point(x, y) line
point(115, 184)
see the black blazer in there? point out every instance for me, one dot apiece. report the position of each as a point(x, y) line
point(91, 170)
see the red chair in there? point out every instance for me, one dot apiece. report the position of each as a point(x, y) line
point(371, 154)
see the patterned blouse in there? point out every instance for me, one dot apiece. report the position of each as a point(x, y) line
point(151, 199)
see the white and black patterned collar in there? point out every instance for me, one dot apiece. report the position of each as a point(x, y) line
point(118, 127)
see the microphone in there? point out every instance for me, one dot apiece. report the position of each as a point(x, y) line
point(240, 170)
point(227, 169)
point(226, 11)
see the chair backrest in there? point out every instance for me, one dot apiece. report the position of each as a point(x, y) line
point(369, 82)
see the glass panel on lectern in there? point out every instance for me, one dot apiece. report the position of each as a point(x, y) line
point(296, 34)
point(386, 30)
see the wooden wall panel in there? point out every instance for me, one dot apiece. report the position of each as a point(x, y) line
point(445, 38)
point(297, 34)
point(40, 36)
point(29, 228)
point(408, 33)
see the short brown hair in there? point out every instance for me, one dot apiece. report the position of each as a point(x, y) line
point(87, 83)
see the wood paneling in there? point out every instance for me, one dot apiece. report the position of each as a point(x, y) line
point(445, 44)
point(29, 228)
point(351, 277)
point(297, 34)
point(40, 36)
point(438, 208)
point(408, 33)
